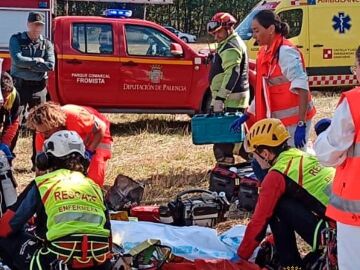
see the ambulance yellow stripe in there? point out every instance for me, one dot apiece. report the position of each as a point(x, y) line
point(125, 59)
point(4, 55)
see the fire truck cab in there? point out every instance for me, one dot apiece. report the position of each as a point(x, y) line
point(114, 63)
point(126, 65)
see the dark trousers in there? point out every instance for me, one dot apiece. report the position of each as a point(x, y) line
point(32, 93)
point(291, 216)
point(18, 250)
point(224, 152)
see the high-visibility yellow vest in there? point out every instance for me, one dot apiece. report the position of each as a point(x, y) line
point(73, 204)
point(305, 170)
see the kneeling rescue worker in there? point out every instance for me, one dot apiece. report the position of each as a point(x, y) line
point(9, 112)
point(71, 216)
point(293, 195)
point(92, 126)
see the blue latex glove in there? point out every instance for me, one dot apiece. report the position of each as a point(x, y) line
point(7, 151)
point(236, 125)
point(89, 154)
point(299, 137)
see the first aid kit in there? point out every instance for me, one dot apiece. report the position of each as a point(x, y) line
point(248, 194)
point(239, 184)
point(146, 213)
point(215, 128)
point(196, 207)
point(224, 180)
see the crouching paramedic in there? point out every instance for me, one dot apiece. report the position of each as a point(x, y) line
point(92, 126)
point(293, 196)
point(9, 111)
point(71, 218)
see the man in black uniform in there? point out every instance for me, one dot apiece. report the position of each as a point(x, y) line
point(32, 56)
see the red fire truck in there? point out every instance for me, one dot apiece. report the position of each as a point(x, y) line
point(115, 65)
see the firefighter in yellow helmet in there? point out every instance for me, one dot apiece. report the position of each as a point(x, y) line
point(293, 194)
point(72, 219)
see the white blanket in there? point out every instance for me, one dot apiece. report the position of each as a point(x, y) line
point(191, 242)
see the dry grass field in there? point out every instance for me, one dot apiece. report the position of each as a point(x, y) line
point(156, 150)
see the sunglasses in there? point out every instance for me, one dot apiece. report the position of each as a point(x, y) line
point(213, 26)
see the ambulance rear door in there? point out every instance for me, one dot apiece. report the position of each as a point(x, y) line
point(334, 37)
point(295, 14)
point(296, 17)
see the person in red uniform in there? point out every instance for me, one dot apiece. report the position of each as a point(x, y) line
point(92, 126)
point(339, 146)
point(9, 112)
point(282, 88)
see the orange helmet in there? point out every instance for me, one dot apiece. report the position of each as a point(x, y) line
point(220, 20)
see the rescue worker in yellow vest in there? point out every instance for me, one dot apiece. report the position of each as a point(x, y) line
point(293, 196)
point(71, 217)
point(339, 146)
point(228, 78)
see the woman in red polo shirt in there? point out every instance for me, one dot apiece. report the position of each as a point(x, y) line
point(92, 126)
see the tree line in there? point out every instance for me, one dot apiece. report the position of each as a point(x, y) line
point(189, 16)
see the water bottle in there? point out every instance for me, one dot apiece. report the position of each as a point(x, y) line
point(9, 191)
point(8, 188)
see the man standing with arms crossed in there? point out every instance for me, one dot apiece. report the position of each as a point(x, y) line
point(32, 56)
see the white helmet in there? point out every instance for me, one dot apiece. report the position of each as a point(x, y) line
point(63, 143)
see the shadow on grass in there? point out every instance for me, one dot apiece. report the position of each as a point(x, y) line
point(155, 126)
point(160, 189)
point(22, 170)
point(163, 188)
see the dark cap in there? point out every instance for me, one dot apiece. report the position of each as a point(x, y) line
point(36, 17)
point(322, 125)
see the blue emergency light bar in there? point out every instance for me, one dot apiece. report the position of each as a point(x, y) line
point(118, 13)
point(43, 4)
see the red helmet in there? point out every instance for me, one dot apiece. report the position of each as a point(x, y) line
point(220, 20)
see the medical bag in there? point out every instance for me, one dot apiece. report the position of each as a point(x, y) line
point(238, 182)
point(215, 128)
point(196, 207)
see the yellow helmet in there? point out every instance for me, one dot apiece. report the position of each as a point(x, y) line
point(268, 132)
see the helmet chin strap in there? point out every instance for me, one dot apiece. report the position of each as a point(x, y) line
point(265, 161)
